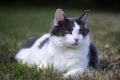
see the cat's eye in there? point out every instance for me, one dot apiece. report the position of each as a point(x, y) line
point(81, 31)
point(68, 32)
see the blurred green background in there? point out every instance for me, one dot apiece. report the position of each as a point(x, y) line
point(23, 19)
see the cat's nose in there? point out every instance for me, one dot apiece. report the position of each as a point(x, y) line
point(76, 39)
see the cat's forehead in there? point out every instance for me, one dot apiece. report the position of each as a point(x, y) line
point(72, 20)
point(70, 23)
point(77, 20)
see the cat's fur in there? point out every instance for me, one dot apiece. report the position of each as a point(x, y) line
point(67, 47)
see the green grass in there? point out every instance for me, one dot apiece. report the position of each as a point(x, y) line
point(19, 24)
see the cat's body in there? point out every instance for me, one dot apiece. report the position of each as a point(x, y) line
point(66, 48)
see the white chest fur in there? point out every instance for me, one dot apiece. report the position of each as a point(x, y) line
point(73, 60)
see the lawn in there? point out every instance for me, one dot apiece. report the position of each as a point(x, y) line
point(17, 24)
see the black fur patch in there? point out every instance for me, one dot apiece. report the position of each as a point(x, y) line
point(43, 42)
point(93, 57)
point(6, 58)
point(29, 43)
point(83, 30)
point(2, 56)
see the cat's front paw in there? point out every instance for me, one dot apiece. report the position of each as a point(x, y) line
point(73, 73)
point(43, 65)
point(67, 76)
point(70, 75)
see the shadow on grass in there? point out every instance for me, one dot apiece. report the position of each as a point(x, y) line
point(110, 65)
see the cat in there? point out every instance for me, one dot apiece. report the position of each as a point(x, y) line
point(67, 47)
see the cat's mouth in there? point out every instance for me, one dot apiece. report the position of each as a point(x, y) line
point(75, 44)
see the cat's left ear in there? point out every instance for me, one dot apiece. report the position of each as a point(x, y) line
point(84, 17)
point(59, 16)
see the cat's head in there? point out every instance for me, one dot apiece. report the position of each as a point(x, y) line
point(70, 32)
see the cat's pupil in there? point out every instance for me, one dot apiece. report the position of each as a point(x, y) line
point(81, 31)
point(68, 32)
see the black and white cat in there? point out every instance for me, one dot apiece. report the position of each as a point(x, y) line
point(67, 47)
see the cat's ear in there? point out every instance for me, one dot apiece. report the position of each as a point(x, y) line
point(84, 17)
point(59, 16)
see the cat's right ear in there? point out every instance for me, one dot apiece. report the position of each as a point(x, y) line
point(59, 16)
point(84, 17)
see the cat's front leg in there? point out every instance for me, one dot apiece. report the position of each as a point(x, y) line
point(74, 72)
point(43, 65)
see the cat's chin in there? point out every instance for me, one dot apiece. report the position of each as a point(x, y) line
point(73, 45)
